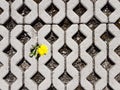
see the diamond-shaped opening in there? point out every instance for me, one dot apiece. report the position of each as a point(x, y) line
point(79, 9)
point(24, 64)
point(37, 1)
point(10, 24)
point(51, 37)
point(65, 24)
point(38, 78)
point(1, 10)
point(52, 10)
point(65, 1)
point(24, 10)
point(93, 77)
point(23, 88)
point(117, 23)
point(1, 64)
point(107, 63)
point(10, 0)
point(107, 9)
point(79, 64)
point(78, 37)
point(38, 24)
point(93, 50)
point(51, 87)
point(107, 36)
point(65, 78)
point(117, 50)
point(10, 78)
point(1, 37)
point(117, 77)
point(10, 51)
point(23, 37)
point(108, 87)
point(65, 50)
point(93, 23)
point(51, 64)
point(79, 87)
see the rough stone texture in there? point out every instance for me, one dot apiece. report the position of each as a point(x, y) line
point(83, 37)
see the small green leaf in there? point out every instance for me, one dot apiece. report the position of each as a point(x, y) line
point(34, 51)
point(37, 57)
point(31, 54)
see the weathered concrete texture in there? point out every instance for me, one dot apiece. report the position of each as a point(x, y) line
point(83, 37)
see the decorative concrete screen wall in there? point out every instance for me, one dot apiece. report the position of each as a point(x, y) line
point(83, 40)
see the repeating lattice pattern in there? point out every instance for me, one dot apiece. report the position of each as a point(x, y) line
point(83, 37)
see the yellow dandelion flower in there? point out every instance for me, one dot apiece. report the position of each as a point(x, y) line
point(42, 50)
